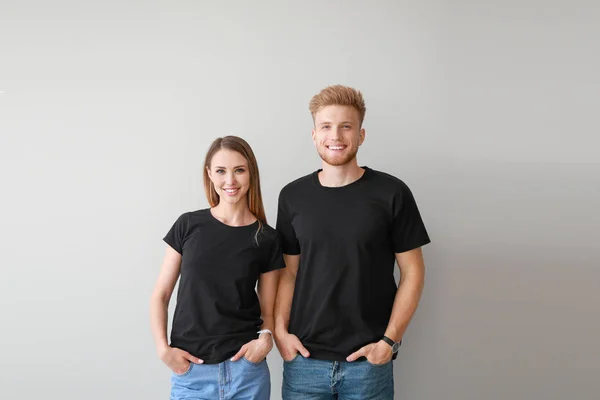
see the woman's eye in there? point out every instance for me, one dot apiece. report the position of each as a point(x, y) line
point(240, 170)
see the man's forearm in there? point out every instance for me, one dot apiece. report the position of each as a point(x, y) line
point(405, 304)
point(283, 304)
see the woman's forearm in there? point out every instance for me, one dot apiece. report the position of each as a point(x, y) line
point(158, 322)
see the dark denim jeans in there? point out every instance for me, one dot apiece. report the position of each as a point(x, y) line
point(310, 379)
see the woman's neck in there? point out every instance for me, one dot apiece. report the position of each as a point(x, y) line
point(234, 214)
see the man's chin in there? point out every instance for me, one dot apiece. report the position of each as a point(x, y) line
point(338, 161)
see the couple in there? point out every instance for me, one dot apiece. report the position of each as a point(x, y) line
point(326, 291)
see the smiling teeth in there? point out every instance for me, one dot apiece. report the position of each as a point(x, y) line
point(336, 147)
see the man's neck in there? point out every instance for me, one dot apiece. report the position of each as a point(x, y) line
point(340, 175)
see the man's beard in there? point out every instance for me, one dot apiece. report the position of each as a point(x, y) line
point(336, 160)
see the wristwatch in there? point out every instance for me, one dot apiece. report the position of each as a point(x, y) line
point(395, 345)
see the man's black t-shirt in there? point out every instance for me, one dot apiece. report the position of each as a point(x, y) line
point(217, 309)
point(347, 237)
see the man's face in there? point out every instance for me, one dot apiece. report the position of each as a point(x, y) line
point(337, 134)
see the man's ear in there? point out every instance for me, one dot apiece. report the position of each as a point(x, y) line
point(361, 136)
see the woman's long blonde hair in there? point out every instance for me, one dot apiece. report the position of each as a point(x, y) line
point(254, 196)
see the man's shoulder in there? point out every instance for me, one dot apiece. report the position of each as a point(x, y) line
point(389, 181)
point(299, 184)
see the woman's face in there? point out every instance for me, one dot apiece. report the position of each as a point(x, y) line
point(230, 175)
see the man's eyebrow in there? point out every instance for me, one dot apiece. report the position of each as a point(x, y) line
point(329, 123)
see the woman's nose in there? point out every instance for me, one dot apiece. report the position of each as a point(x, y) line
point(229, 179)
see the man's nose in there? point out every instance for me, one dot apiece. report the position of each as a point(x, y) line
point(336, 133)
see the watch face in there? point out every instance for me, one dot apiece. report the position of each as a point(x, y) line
point(395, 347)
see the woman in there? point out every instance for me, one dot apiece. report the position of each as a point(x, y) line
point(221, 330)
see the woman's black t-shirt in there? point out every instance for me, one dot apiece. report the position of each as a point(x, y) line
point(217, 309)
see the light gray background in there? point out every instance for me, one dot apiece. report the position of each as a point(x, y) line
point(488, 112)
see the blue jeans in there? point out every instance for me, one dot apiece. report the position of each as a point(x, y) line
point(310, 379)
point(239, 380)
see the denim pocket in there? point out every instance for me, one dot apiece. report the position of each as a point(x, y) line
point(377, 365)
point(293, 359)
point(186, 372)
point(253, 363)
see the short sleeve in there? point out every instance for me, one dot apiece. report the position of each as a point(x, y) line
point(289, 241)
point(274, 256)
point(408, 229)
point(176, 235)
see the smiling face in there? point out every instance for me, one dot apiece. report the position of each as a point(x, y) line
point(229, 173)
point(337, 134)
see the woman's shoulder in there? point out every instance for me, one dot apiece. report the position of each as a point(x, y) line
point(189, 219)
point(268, 233)
point(197, 214)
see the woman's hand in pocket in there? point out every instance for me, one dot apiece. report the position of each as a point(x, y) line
point(178, 360)
point(256, 350)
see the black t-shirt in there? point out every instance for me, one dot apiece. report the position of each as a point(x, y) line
point(217, 307)
point(347, 237)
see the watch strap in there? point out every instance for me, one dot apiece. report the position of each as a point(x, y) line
point(394, 345)
point(388, 341)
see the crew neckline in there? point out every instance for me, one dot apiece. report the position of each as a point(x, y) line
point(218, 221)
point(315, 178)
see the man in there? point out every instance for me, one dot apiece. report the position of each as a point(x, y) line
point(339, 316)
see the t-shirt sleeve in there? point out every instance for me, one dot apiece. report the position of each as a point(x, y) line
point(274, 258)
point(408, 229)
point(176, 235)
point(289, 241)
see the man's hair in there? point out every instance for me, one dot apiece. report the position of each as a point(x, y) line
point(341, 96)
